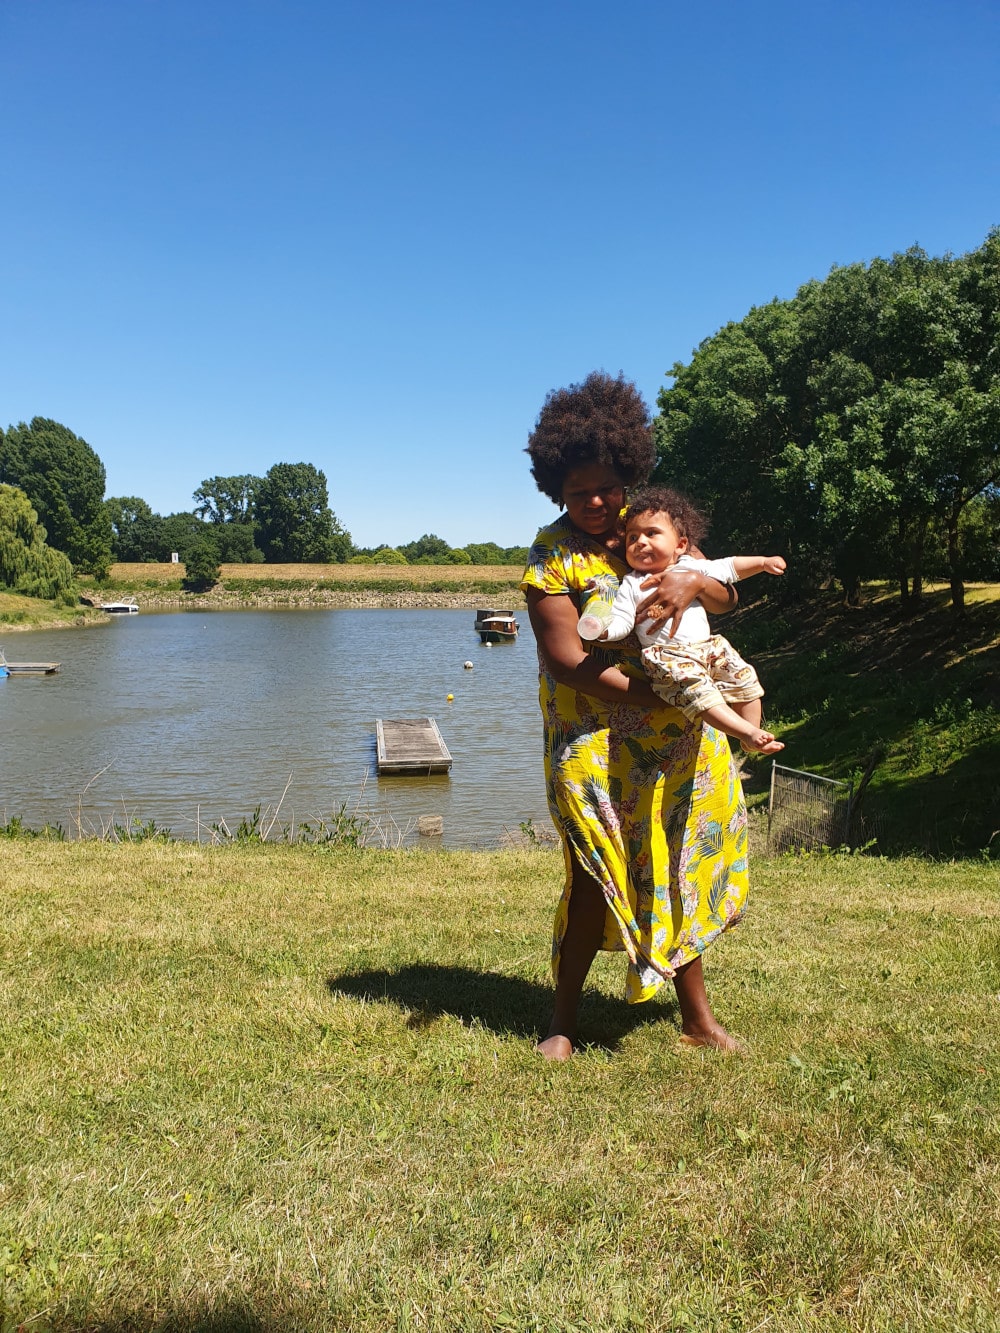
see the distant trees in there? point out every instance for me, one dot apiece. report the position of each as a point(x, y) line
point(132, 528)
point(227, 499)
point(489, 553)
point(851, 426)
point(27, 564)
point(283, 516)
point(294, 519)
point(64, 480)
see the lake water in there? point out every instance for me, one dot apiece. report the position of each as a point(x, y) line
point(191, 718)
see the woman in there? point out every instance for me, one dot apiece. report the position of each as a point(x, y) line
point(648, 805)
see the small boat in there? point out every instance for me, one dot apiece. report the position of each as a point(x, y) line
point(495, 626)
point(27, 668)
point(120, 608)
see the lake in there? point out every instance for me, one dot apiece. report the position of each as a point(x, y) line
point(194, 718)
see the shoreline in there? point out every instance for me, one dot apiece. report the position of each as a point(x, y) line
point(314, 599)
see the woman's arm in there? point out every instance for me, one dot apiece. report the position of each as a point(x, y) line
point(553, 619)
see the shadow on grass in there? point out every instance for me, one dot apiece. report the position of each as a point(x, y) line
point(509, 1006)
point(235, 1319)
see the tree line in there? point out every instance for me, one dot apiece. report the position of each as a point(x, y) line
point(854, 428)
point(54, 520)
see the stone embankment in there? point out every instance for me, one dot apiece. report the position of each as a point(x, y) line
point(219, 599)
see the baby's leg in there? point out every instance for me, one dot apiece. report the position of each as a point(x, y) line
point(741, 693)
point(748, 709)
point(750, 735)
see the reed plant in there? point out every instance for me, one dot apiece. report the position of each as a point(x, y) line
point(255, 1087)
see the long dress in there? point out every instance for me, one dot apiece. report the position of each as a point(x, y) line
point(649, 804)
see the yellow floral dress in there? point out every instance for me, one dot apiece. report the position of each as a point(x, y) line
point(649, 803)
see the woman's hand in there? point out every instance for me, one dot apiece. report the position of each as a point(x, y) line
point(673, 591)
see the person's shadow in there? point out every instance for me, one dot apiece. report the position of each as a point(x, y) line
point(509, 1006)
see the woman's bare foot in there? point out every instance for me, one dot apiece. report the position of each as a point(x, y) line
point(714, 1039)
point(555, 1047)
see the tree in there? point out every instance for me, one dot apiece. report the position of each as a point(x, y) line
point(382, 555)
point(201, 568)
point(850, 425)
point(429, 548)
point(27, 564)
point(485, 553)
point(227, 499)
point(64, 480)
point(129, 517)
point(235, 543)
point(294, 520)
point(176, 532)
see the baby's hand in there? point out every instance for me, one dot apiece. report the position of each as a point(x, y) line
point(774, 564)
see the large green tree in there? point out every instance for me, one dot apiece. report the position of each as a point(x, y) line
point(852, 425)
point(294, 520)
point(27, 564)
point(130, 519)
point(64, 480)
point(227, 499)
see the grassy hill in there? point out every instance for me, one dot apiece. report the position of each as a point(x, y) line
point(918, 696)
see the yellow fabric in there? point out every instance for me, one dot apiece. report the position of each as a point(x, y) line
point(649, 804)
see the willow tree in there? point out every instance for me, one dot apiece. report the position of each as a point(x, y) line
point(27, 564)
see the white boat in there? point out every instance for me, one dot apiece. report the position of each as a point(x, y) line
point(120, 608)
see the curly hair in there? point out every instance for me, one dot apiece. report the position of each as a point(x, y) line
point(688, 521)
point(603, 420)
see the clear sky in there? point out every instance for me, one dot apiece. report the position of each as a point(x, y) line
point(372, 235)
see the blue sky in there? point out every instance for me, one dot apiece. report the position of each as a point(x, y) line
point(372, 236)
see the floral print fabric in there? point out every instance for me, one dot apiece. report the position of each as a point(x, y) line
point(650, 804)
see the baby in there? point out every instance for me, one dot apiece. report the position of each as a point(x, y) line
point(693, 669)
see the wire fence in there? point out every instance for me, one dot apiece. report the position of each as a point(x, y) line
point(806, 811)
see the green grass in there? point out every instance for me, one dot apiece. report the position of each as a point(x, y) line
point(920, 693)
point(258, 1087)
point(26, 613)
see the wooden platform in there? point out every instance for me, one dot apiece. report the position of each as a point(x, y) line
point(29, 668)
point(410, 745)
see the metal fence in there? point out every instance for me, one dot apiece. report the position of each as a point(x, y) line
point(806, 811)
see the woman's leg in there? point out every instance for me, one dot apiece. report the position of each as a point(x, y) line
point(584, 933)
point(699, 1026)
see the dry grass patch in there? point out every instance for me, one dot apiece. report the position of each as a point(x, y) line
point(128, 574)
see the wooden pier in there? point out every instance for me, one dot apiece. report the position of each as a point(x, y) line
point(28, 668)
point(411, 746)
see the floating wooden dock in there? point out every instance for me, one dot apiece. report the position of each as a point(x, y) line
point(410, 745)
point(28, 668)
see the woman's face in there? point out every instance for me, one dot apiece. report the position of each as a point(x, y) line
point(593, 495)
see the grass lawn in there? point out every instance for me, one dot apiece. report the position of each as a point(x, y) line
point(282, 1087)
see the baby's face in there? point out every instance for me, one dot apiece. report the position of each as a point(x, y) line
point(652, 543)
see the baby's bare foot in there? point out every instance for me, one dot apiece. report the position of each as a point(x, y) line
point(761, 742)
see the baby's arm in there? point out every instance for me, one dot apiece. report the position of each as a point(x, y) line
point(745, 565)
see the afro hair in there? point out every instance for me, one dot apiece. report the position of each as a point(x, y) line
point(603, 420)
